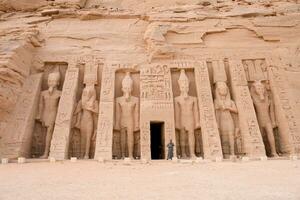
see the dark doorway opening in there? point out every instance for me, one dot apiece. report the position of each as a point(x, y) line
point(157, 140)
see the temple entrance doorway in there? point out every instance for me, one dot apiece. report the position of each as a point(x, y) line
point(157, 140)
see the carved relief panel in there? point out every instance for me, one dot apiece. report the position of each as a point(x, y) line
point(285, 118)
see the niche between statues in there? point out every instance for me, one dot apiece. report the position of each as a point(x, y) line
point(53, 71)
point(86, 111)
point(126, 133)
point(265, 108)
point(187, 120)
point(225, 108)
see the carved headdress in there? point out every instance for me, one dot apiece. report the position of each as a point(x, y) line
point(127, 81)
point(183, 79)
point(54, 76)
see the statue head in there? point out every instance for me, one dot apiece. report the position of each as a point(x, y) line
point(89, 79)
point(127, 85)
point(53, 80)
point(183, 83)
point(222, 88)
point(259, 89)
point(268, 86)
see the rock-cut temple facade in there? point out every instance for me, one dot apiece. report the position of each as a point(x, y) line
point(149, 79)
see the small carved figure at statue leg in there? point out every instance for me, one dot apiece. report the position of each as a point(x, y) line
point(170, 150)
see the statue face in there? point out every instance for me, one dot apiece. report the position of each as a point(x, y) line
point(223, 90)
point(260, 90)
point(184, 87)
point(53, 80)
point(127, 89)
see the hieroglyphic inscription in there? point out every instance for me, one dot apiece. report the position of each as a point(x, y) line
point(287, 122)
point(62, 129)
point(20, 127)
point(255, 69)
point(106, 117)
point(156, 83)
point(210, 134)
point(251, 136)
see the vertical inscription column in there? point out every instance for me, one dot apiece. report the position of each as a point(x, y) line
point(106, 114)
point(20, 127)
point(210, 133)
point(61, 134)
point(252, 140)
point(288, 125)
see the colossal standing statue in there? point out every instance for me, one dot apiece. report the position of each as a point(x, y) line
point(48, 105)
point(264, 112)
point(186, 116)
point(225, 107)
point(86, 117)
point(127, 116)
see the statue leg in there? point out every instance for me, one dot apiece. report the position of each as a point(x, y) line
point(48, 141)
point(123, 142)
point(231, 142)
point(182, 142)
point(271, 139)
point(82, 142)
point(191, 135)
point(88, 143)
point(130, 142)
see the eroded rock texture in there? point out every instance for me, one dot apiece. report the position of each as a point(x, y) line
point(231, 43)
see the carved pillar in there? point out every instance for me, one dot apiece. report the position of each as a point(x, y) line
point(61, 134)
point(17, 140)
point(289, 127)
point(210, 133)
point(252, 139)
point(156, 105)
point(106, 114)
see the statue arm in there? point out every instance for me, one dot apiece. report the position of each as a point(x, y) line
point(95, 119)
point(272, 113)
point(40, 108)
point(136, 115)
point(117, 116)
point(233, 107)
point(77, 115)
point(177, 115)
point(196, 114)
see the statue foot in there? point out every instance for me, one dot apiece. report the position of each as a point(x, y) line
point(45, 156)
point(86, 157)
point(274, 155)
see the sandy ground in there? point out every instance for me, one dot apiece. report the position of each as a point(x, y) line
point(253, 180)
